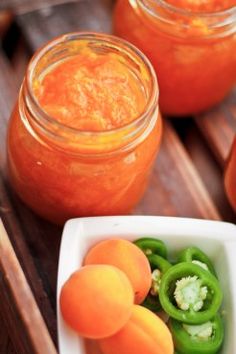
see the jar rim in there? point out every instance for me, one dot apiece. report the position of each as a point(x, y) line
point(220, 23)
point(188, 13)
point(130, 49)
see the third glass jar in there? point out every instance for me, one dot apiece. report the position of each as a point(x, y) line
point(193, 53)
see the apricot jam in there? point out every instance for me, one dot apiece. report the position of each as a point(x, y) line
point(98, 92)
point(86, 129)
point(191, 44)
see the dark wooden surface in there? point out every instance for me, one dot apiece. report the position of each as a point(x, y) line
point(24, 325)
point(187, 179)
point(219, 126)
point(23, 6)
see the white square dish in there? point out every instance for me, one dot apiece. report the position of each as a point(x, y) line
point(217, 239)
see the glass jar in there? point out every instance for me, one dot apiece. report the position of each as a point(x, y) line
point(63, 172)
point(230, 176)
point(194, 54)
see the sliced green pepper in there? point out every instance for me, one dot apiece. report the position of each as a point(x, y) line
point(202, 339)
point(151, 245)
point(189, 293)
point(159, 266)
point(195, 255)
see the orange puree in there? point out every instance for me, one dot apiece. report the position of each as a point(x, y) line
point(194, 55)
point(203, 5)
point(102, 165)
point(91, 92)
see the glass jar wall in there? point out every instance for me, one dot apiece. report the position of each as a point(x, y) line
point(63, 170)
point(193, 53)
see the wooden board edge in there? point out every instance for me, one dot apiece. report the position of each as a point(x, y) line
point(190, 175)
point(17, 296)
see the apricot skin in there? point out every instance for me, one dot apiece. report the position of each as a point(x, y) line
point(129, 258)
point(144, 333)
point(96, 301)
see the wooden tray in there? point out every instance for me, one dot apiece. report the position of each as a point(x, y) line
point(187, 179)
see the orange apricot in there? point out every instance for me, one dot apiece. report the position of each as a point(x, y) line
point(129, 258)
point(144, 333)
point(96, 301)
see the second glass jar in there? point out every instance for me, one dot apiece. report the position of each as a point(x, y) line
point(194, 54)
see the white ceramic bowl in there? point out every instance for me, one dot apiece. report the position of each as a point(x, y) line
point(217, 239)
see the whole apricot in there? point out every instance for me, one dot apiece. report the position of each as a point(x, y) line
point(126, 256)
point(144, 333)
point(96, 301)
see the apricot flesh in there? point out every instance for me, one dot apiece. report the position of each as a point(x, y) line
point(144, 333)
point(126, 256)
point(96, 301)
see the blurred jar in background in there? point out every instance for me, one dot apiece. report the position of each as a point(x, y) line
point(86, 128)
point(230, 176)
point(191, 44)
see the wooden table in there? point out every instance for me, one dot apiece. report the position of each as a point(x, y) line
point(187, 179)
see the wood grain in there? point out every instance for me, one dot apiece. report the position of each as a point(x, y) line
point(19, 62)
point(6, 18)
point(8, 93)
point(210, 172)
point(218, 126)
point(176, 188)
point(39, 27)
point(6, 343)
point(17, 303)
point(25, 230)
point(23, 6)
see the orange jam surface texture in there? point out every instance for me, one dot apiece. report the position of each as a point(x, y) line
point(203, 5)
point(91, 92)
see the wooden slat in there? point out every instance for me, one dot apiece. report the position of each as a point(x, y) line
point(24, 231)
point(39, 27)
point(219, 127)
point(23, 6)
point(6, 343)
point(8, 93)
point(6, 18)
point(176, 188)
point(19, 61)
point(18, 304)
point(210, 172)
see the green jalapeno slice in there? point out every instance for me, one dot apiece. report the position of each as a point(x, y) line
point(151, 245)
point(189, 293)
point(206, 338)
point(195, 255)
point(159, 266)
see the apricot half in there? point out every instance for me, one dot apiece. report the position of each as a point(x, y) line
point(144, 333)
point(96, 301)
point(127, 257)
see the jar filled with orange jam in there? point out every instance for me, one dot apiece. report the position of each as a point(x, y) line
point(86, 129)
point(191, 44)
point(230, 176)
